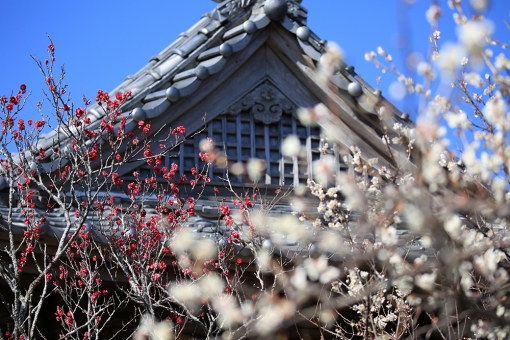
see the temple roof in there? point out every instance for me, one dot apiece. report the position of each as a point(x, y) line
point(177, 72)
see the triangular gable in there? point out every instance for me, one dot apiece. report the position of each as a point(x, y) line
point(252, 126)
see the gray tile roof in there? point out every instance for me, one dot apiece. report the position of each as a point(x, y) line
point(203, 50)
point(208, 224)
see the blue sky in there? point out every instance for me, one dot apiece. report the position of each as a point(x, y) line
point(102, 42)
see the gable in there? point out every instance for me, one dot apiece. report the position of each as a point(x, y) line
point(252, 127)
point(247, 114)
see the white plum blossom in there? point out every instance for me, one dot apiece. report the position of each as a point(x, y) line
point(415, 217)
point(502, 62)
point(334, 54)
point(458, 19)
point(229, 311)
point(183, 240)
point(496, 112)
point(211, 285)
point(389, 236)
point(310, 117)
point(425, 69)
point(291, 146)
point(500, 310)
point(487, 264)
point(426, 281)
point(324, 169)
point(433, 14)
point(186, 293)
point(370, 56)
point(499, 189)
point(149, 328)
point(264, 259)
point(474, 79)
point(453, 226)
point(255, 168)
point(404, 283)
point(298, 279)
point(472, 163)
point(491, 162)
point(288, 229)
point(330, 61)
point(451, 54)
point(473, 35)
point(318, 270)
point(453, 3)
point(204, 249)
point(457, 120)
point(273, 314)
point(479, 5)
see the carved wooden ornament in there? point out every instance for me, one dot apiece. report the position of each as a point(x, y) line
point(266, 103)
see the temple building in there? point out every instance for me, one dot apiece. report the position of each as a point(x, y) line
point(239, 76)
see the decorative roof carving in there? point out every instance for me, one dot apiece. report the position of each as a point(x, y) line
point(229, 8)
point(297, 12)
point(265, 102)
